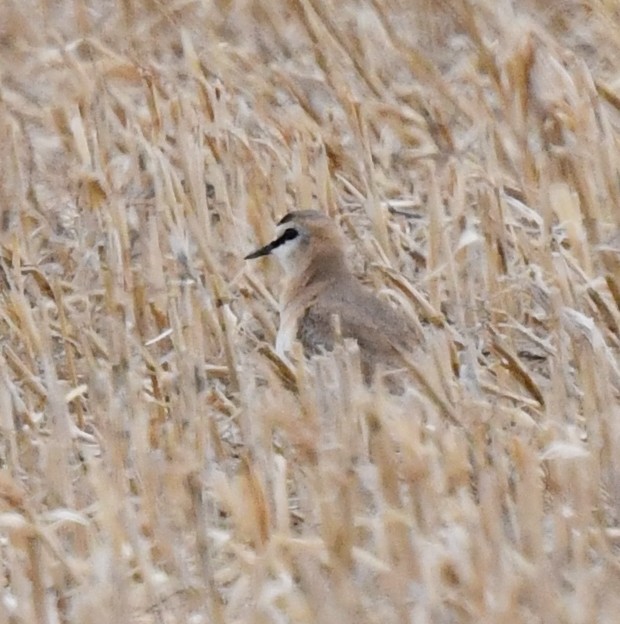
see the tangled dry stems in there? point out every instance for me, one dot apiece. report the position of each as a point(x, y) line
point(158, 462)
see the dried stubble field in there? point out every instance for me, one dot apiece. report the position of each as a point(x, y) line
point(158, 464)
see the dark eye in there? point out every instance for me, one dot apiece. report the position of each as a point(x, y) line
point(289, 234)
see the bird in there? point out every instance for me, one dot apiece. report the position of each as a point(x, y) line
point(320, 285)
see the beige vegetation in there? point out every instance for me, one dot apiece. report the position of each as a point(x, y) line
point(158, 463)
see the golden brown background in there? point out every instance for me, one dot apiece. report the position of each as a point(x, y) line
point(157, 463)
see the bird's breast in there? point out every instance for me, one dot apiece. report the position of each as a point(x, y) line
point(287, 331)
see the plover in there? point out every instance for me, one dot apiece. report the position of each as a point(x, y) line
point(321, 288)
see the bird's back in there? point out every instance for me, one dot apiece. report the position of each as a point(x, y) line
point(378, 328)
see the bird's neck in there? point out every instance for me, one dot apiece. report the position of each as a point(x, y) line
point(318, 274)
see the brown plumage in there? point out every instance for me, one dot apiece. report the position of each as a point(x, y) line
point(320, 285)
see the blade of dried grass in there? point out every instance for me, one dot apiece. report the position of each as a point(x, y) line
point(24, 373)
point(212, 603)
point(429, 312)
point(285, 373)
point(428, 389)
point(610, 317)
point(515, 367)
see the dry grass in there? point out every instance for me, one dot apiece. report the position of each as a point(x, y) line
point(157, 464)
